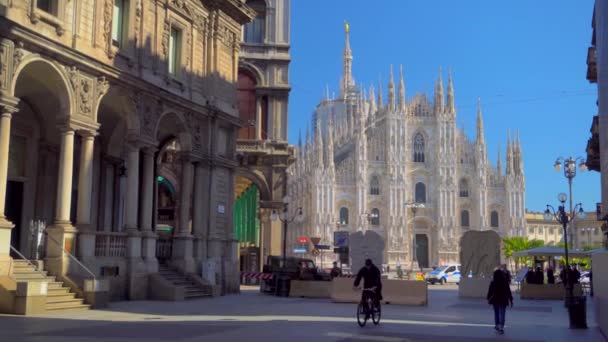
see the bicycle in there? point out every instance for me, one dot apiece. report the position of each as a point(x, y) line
point(368, 306)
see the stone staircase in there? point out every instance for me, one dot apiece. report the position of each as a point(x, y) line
point(59, 298)
point(192, 289)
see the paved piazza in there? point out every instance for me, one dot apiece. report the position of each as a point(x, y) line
point(255, 317)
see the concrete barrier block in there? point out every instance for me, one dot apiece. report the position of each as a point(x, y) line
point(342, 291)
point(310, 289)
point(473, 287)
point(405, 292)
point(547, 291)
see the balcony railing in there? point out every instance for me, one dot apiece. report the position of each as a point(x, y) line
point(110, 244)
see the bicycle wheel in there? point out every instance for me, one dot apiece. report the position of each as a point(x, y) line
point(376, 313)
point(361, 315)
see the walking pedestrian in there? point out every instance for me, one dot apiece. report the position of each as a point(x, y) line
point(539, 276)
point(550, 276)
point(499, 296)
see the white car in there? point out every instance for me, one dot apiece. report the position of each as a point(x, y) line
point(444, 274)
point(585, 278)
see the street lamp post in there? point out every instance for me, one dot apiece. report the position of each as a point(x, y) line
point(562, 217)
point(414, 208)
point(285, 218)
point(569, 165)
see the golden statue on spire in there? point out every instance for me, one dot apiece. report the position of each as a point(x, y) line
point(346, 26)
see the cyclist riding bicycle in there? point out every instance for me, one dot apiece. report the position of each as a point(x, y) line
point(371, 279)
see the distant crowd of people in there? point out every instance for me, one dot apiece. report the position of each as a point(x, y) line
point(538, 276)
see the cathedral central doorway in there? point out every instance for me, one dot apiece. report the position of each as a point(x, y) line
point(422, 250)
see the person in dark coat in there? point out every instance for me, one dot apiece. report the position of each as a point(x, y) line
point(550, 276)
point(530, 279)
point(499, 296)
point(335, 271)
point(575, 276)
point(539, 276)
point(371, 278)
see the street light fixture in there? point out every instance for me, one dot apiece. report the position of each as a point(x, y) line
point(286, 218)
point(569, 165)
point(562, 217)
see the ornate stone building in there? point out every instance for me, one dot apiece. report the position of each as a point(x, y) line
point(118, 130)
point(369, 157)
point(262, 149)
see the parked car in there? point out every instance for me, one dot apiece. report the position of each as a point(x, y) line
point(585, 278)
point(444, 274)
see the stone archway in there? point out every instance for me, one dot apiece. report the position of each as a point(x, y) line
point(40, 138)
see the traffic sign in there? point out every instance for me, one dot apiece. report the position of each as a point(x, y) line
point(341, 239)
point(323, 247)
point(299, 250)
point(302, 240)
point(315, 240)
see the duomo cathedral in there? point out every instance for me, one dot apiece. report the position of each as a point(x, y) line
point(402, 168)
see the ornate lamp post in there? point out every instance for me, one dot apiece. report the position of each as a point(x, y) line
point(569, 166)
point(562, 217)
point(286, 218)
point(414, 208)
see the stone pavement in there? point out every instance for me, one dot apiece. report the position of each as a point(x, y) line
point(252, 316)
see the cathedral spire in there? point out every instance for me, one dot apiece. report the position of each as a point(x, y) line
point(329, 150)
point(347, 63)
point(499, 163)
point(509, 154)
point(439, 101)
point(480, 135)
point(318, 147)
point(380, 99)
point(401, 90)
point(372, 101)
point(451, 107)
point(518, 164)
point(391, 91)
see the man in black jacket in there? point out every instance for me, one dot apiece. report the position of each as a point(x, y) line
point(371, 278)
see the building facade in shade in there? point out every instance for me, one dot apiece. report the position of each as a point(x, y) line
point(263, 152)
point(118, 132)
point(588, 231)
point(369, 156)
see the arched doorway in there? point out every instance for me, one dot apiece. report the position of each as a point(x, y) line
point(168, 169)
point(422, 250)
point(34, 146)
point(247, 225)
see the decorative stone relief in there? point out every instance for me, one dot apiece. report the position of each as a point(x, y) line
point(148, 110)
point(108, 9)
point(137, 21)
point(6, 67)
point(87, 90)
point(479, 252)
point(194, 123)
point(183, 7)
point(165, 37)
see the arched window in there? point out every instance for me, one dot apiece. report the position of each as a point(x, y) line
point(420, 193)
point(343, 216)
point(255, 30)
point(494, 219)
point(464, 218)
point(375, 217)
point(419, 148)
point(246, 97)
point(464, 188)
point(374, 186)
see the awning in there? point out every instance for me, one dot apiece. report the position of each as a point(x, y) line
point(550, 251)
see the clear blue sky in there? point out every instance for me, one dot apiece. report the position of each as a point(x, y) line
point(525, 59)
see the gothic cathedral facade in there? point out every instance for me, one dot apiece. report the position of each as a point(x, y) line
point(403, 169)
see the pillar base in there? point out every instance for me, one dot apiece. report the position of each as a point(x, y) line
point(60, 238)
point(86, 243)
point(149, 251)
point(5, 246)
point(182, 253)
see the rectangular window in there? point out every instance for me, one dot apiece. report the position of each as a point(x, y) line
point(49, 6)
point(119, 21)
point(174, 51)
point(254, 31)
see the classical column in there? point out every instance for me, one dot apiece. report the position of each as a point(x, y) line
point(146, 212)
point(182, 240)
point(61, 235)
point(86, 237)
point(137, 272)
point(198, 219)
point(6, 111)
point(258, 118)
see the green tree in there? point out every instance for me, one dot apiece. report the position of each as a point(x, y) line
point(515, 244)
